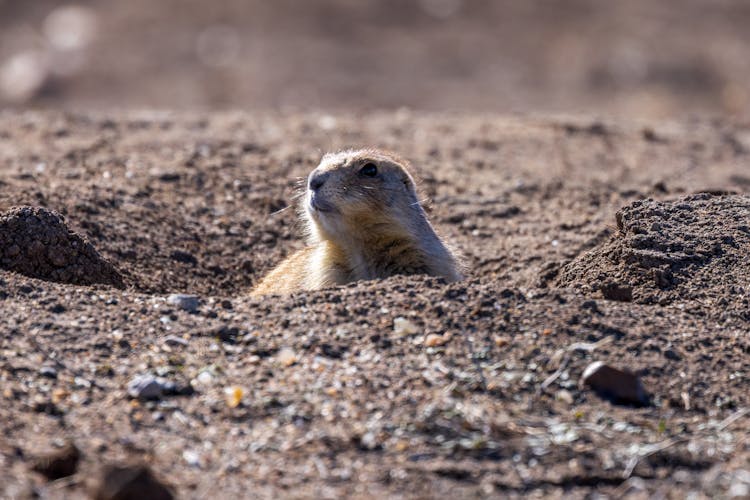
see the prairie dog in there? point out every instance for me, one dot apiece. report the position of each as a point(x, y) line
point(363, 221)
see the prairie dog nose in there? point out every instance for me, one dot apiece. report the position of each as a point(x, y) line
point(317, 180)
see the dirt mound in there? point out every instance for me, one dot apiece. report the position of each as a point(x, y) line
point(36, 242)
point(690, 248)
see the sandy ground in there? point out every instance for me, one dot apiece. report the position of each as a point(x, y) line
point(479, 394)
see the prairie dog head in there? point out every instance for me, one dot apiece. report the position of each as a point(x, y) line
point(361, 194)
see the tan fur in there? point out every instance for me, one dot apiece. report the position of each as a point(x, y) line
point(361, 227)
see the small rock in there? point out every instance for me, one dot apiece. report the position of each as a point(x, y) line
point(129, 482)
point(59, 395)
point(189, 303)
point(150, 387)
point(434, 340)
point(564, 396)
point(58, 464)
point(615, 384)
point(369, 441)
point(173, 340)
point(501, 341)
point(286, 357)
point(402, 326)
point(145, 387)
point(48, 371)
point(192, 458)
point(233, 396)
point(81, 383)
point(204, 378)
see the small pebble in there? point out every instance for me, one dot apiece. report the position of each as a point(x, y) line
point(615, 384)
point(48, 371)
point(204, 378)
point(286, 357)
point(189, 303)
point(434, 340)
point(234, 396)
point(564, 396)
point(173, 340)
point(81, 383)
point(192, 458)
point(402, 326)
point(501, 341)
point(150, 387)
point(59, 395)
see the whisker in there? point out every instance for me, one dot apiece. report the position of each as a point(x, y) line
point(280, 210)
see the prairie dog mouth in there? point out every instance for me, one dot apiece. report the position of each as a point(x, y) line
point(316, 203)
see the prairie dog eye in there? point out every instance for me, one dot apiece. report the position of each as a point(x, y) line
point(369, 170)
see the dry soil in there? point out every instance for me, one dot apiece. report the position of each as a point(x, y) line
point(586, 240)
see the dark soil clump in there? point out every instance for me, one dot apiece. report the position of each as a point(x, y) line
point(694, 247)
point(36, 242)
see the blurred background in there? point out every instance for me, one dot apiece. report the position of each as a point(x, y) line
point(640, 58)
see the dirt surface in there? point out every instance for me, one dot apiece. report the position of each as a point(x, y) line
point(586, 241)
